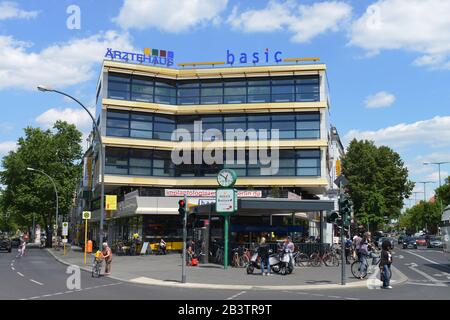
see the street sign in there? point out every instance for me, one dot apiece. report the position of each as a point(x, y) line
point(111, 202)
point(226, 201)
point(86, 215)
point(65, 228)
point(341, 180)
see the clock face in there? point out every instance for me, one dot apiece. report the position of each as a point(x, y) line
point(226, 178)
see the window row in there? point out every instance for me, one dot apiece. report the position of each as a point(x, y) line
point(184, 92)
point(142, 162)
point(160, 127)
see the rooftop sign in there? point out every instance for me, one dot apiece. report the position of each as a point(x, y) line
point(254, 57)
point(149, 56)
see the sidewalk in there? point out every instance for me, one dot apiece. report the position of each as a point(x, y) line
point(166, 271)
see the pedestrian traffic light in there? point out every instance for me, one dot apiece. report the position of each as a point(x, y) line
point(182, 207)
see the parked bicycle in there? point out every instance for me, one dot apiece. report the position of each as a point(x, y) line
point(328, 258)
point(301, 259)
point(240, 258)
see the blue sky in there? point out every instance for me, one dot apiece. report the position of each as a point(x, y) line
point(388, 60)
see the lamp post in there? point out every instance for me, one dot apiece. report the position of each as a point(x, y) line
point(425, 198)
point(439, 168)
point(56, 194)
point(101, 158)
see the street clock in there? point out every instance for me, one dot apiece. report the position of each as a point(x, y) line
point(226, 178)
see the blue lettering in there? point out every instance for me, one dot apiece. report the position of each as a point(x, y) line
point(109, 53)
point(276, 56)
point(267, 55)
point(243, 58)
point(230, 55)
point(155, 60)
point(169, 62)
point(117, 55)
point(255, 57)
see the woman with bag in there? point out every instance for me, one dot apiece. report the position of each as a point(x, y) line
point(385, 264)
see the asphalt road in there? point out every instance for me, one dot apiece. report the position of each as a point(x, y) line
point(38, 275)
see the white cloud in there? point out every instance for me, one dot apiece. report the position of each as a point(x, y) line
point(433, 132)
point(169, 15)
point(381, 99)
point(59, 65)
point(304, 21)
point(7, 146)
point(11, 10)
point(434, 176)
point(421, 26)
point(79, 117)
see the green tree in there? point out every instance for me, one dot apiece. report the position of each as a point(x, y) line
point(443, 193)
point(378, 182)
point(58, 153)
point(422, 215)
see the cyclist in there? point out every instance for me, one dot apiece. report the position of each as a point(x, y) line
point(363, 254)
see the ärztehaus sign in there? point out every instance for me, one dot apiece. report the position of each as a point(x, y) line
point(150, 56)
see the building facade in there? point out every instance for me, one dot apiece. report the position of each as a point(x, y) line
point(144, 111)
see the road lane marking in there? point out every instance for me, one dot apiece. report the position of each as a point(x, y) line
point(413, 266)
point(37, 282)
point(426, 259)
point(20, 274)
point(13, 269)
point(335, 297)
point(236, 295)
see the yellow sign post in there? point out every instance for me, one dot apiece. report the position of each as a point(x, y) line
point(86, 217)
point(338, 168)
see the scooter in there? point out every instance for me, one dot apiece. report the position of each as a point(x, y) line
point(285, 263)
point(255, 263)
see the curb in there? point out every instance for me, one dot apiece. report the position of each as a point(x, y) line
point(162, 283)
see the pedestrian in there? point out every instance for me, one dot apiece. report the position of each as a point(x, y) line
point(162, 246)
point(385, 264)
point(263, 253)
point(107, 255)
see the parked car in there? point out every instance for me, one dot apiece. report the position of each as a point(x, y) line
point(15, 242)
point(409, 242)
point(5, 244)
point(435, 242)
point(421, 241)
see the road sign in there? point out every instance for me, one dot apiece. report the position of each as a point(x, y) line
point(111, 202)
point(341, 180)
point(65, 228)
point(86, 215)
point(226, 201)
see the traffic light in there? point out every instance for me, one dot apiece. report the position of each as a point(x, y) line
point(332, 216)
point(182, 207)
point(345, 209)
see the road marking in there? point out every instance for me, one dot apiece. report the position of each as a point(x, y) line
point(426, 259)
point(317, 294)
point(13, 269)
point(20, 274)
point(335, 297)
point(427, 284)
point(351, 298)
point(236, 295)
point(41, 284)
point(436, 281)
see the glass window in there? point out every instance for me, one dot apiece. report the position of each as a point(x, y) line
point(286, 134)
point(308, 125)
point(117, 132)
point(188, 84)
point(141, 125)
point(229, 118)
point(237, 125)
point(141, 116)
point(259, 125)
point(162, 135)
point(141, 134)
point(211, 100)
point(118, 114)
point(286, 97)
point(235, 83)
point(116, 169)
point(308, 134)
point(118, 77)
point(308, 116)
point(234, 99)
point(281, 117)
point(234, 91)
point(188, 92)
point(141, 97)
point(258, 90)
point(164, 118)
point(165, 99)
point(117, 123)
point(257, 98)
point(207, 92)
point(140, 171)
point(188, 100)
point(308, 171)
point(259, 82)
point(308, 162)
point(118, 86)
point(287, 125)
point(282, 89)
point(285, 172)
point(258, 117)
point(161, 126)
point(308, 153)
point(120, 95)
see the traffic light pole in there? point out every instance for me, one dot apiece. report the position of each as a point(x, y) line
point(342, 240)
point(183, 263)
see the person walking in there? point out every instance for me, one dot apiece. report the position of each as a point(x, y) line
point(107, 255)
point(263, 253)
point(348, 246)
point(385, 264)
point(363, 252)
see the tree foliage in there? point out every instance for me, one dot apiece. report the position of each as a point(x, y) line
point(378, 181)
point(420, 216)
point(443, 193)
point(57, 152)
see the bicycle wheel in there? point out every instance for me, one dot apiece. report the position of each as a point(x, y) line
point(357, 271)
point(327, 259)
point(335, 260)
point(301, 260)
point(315, 259)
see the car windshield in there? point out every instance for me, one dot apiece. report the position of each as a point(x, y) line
point(436, 239)
point(420, 238)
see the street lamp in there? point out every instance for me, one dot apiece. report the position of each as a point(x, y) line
point(102, 154)
point(56, 193)
point(424, 198)
point(439, 167)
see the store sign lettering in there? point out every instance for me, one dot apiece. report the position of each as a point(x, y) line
point(254, 57)
point(149, 56)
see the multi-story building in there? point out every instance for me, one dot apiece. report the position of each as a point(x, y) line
point(140, 106)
